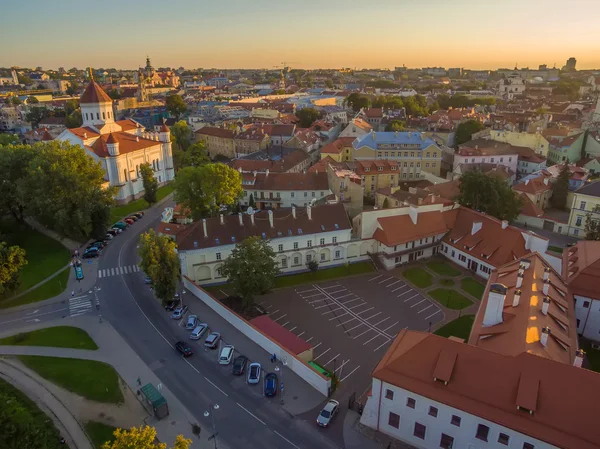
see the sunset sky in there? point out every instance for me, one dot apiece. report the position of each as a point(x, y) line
point(310, 34)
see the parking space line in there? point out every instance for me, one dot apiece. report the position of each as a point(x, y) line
point(410, 290)
point(269, 306)
point(349, 374)
point(286, 323)
point(305, 291)
point(416, 304)
point(434, 313)
point(314, 347)
point(332, 359)
point(337, 291)
point(413, 296)
point(376, 336)
point(324, 305)
point(284, 438)
point(311, 296)
point(366, 310)
point(310, 339)
point(273, 313)
point(282, 316)
point(423, 310)
point(338, 316)
point(317, 300)
point(358, 305)
point(379, 322)
point(393, 283)
point(399, 288)
point(342, 365)
point(360, 335)
point(358, 325)
point(301, 333)
point(331, 311)
point(328, 287)
point(293, 328)
point(391, 326)
point(385, 280)
point(381, 346)
point(322, 354)
point(345, 296)
point(373, 316)
point(348, 302)
point(346, 322)
point(376, 277)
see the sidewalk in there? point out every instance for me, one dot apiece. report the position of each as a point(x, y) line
point(354, 439)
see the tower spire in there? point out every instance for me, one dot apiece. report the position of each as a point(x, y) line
point(91, 73)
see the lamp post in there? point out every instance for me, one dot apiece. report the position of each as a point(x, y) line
point(210, 412)
point(280, 370)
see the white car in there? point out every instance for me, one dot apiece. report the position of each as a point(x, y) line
point(226, 355)
point(328, 412)
point(254, 373)
point(199, 331)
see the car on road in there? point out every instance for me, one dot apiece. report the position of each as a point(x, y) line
point(183, 349)
point(117, 231)
point(98, 245)
point(133, 217)
point(172, 305)
point(109, 236)
point(199, 331)
point(147, 280)
point(212, 341)
point(119, 224)
point(327, 413)
point(129, 221)
point(254, 370)
point(226, 355)
point(191, 322)
point(138, 214)
point(179, 312)
point(239, 365)
point(271, 384)
point(91, 253)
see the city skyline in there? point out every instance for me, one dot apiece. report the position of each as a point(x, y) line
point(234, 34)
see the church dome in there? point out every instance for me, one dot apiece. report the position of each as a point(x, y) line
point(94, 94)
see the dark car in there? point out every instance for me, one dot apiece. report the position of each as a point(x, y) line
point(139, 214)
point(239, 365)
point(101, 243)
point(129, 221)
point(91, 253)
point(98, 245)
point(271, 384)
point(183, 349)
point(172, 305)
point(112, 232)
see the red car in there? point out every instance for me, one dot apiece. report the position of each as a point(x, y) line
point(129, 221)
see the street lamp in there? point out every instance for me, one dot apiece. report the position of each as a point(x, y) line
point(278, 369)
point(210, 412)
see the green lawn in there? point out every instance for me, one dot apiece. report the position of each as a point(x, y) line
point(443, 269)
point(99, 433)
point(418, 276)
point(460, 327)
point(556, 249)
point(57, 337)
point(592, 356)
point(118, 212)
point(93, 380)
point(50, 289)
point(323, 275)
point(446, 282)
point(23, 424)
point(472, 287)
point(450, 298)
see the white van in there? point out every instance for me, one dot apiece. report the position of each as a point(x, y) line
point(198, 331)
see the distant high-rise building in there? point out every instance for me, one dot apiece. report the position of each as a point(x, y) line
point(571, 63)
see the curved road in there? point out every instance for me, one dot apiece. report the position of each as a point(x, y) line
point(244, 419)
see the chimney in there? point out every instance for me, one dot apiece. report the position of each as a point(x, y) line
point(477, 225)
point(519, 279)
point(271, 218)
point(526, 181)
point(545, 305)
point(267, 172)
point(252, 218)
point(545, 334)
point(309, 212)
point(516, 297)
point(504, 224)
point(204, 227)
point(413, 212)
point(546, 181)
point(221, 218)
point(579, 354)
point(419, 201)
point(546, 273)
point(241, 219)
point(546, 287)
point(526, 263)
point(495, 305)
point(294, 211)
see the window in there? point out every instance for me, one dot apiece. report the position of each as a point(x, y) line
point(433, 165)
point(455, 421)
point(433, 411)
point(280, 248)
point(427, 165)
point(419, 431)
point(389, 394)
point(322, 193)
point(528, 446)
point(338, 254)
point(97, 115)
point(219, 275)
point(308, 258)
point(305, 194)
point(313, 194)
point(86, 116)
point(296, 261)
point(309, 244)
point(284, 262)
point(292, 194)
point(322, 242)
point(501, 159)
point(492, 160)
point(582, 205)
point(295, 245)
point(586, 304)
point(576, 232)
point(446, 442)
point(503, 439)
point(410, 402)
point(322, 257)
point(218, 256)
point(104, 116)
point(333, 239)
point(482, 432)
point(125, 174)
point(394, 420)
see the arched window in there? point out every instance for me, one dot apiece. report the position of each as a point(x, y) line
point(104, 116)
point(86, 116)
point(98, 115)
point(125, 174)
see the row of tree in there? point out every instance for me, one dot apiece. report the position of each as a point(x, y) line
point(414, 106)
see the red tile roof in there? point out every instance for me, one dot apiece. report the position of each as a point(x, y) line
point(127, 143)
point(374, 113)
point(280, 334)
point(535, 185)
point(400, 229)
point(529, 208)
point(289, 181)
point(93, 93)
point(338, 145)
point(581, 268)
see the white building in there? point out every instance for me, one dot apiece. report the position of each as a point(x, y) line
point(120, 146)
point(511, 86)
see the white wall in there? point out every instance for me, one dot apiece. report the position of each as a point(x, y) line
point(447, 250)
point(316, 380)
point(286, 198)
point(588, 317)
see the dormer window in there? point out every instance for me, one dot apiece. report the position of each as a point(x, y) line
point(393, 168)
point(380, 169)
point(367, 169)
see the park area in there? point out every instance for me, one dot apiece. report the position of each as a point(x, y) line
point(118, 212)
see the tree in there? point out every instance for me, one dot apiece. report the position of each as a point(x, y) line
point(251, 202)
point(307, 116)
point(14, 171)
point(395, 125)
point(8, 139)
point(32, 100)
point(176, 106)
point(74, 120)
point(72, 87)
point(181, 135)
point(194, 156)
point(150, 183)
point(160, 262)
point(36, 114)
point(142, 438)
point(465, 130)
point(560, 188)
point(592, 227)
point(489, 194)
point(14, 100)
point(357, 101)
point(12, 260)
point(24, 79)
point(329, 83)
point(251, 269)
point(313, 265)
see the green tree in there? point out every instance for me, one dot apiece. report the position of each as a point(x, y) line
point(329, 83)
point(194, 156)
point(313, 266)
point(395, 125)
point(8, 139)
point(181, 135)
point(465, 130)
point(160, 262)
point(36, 114)
point(24, 79)
point(357, 101)
point(143, 437)
point(150, 183)
point(489, 194)
point(14, 170)
point(251, 269)
point(72, 87)
point(14, 100)
point(592, 227)
point(560, 188)
point(176, 106)
point(12, 260)
point(32, 100)
point(74, 120)
point(307, 116)
point(251, 202)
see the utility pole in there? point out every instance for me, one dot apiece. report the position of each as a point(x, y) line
point(210, 412)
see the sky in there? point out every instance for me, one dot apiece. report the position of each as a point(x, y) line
point(484, 34)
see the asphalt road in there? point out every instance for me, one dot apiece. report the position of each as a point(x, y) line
point(242, 421)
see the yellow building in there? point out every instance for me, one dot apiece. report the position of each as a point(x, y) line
point(586, 200)
point(218, 141)
point(535, 141)
point(339, 150)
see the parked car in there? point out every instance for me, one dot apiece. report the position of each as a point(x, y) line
point(147, 280)
point(172, 305)
point(91, 253)
point(328, 412)
point(191, 322)
point(183, 349)
point(121, 225)
point(129, 221)
point(199, 331)
point(226, 355)
point(271, 384)
point(133, 217)
point(139, 214)
point(239, 365)
point(179, 312)
point(109, 236)
point(254, 373)
point(212, 341)
point(100, 243)
point(117, 230)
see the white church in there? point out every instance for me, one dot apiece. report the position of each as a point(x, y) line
point(120, 146)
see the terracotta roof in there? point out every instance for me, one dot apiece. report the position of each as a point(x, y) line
point(164, 128)
point(374, 112)
point(338, 145)
point(128, 124)
point(325, 218)
point(400, 229)
point(280, 334)
point(278, 130)
point(127, 143)
point(521, 326)
point(285, 164)
point(529, 208)
point(581, 268)
point(534, 185)
point(111, 139)
point(492, 385)
point(47, 136)
point(216, 132)
point(253, 133)
point(449, 190)
point(484, 147)
point(567, 141)
point(289, 181)
point(52, 121)
point(170, 229)
point(84, 132)
point(360, 123)
point(93, 93)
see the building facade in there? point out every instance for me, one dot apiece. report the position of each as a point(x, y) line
point(586, 200)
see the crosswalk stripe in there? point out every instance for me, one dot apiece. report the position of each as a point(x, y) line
point(112, 272)
point(99, 273)
point(126, 270)
point(80, 306)
point(136, 268)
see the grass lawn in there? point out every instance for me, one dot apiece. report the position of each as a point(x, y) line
point(418, 276)
point(99, 433)
point(460, 327)
point(93, 380)
point(23, 424)
point(472, 287)
point(592, 356)
point(53, 287)
point(443, 269)
point(556, 249)
point(450, 298)
point(446, 282)
point(57, 337)
point(118, 212)
point(323, 275)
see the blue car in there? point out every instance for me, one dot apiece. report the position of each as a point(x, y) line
point(271, 385)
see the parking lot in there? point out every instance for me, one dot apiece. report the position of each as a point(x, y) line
point(351, 322)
